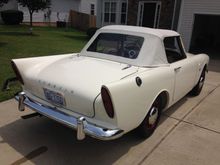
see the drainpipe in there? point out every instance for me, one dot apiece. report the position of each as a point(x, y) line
point(126, 14)
point(174, 14)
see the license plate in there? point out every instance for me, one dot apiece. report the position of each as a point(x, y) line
point(54, 97)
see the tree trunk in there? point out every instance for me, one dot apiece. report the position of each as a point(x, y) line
point(31, 19)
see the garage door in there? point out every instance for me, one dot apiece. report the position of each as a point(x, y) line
point(193, 16)
point(206, 35)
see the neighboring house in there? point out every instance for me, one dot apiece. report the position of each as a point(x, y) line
point(59, 10)
point(88, 6)
point(199, 24)
point(147, 13)
point(11, 5)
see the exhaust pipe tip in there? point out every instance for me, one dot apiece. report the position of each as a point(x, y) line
point(21, 106)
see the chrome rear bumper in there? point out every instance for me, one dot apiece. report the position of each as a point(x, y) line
point(80, 124)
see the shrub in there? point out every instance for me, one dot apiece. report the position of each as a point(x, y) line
point(91, 31)
point(61, 24)
point(12, 17)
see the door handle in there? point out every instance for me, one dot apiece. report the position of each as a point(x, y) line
point(177, 69)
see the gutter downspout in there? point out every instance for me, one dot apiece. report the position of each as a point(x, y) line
point(174, 14)
point(126, 22)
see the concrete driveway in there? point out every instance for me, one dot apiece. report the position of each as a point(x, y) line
point(189, 133)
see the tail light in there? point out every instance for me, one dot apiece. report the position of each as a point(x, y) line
point(107, 102)
point(18, 75)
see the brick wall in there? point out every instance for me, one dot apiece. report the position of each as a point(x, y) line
point(166, 16)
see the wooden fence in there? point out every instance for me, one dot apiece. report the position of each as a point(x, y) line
point(82, 21)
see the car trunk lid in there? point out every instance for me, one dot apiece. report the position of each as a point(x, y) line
point(78, 80)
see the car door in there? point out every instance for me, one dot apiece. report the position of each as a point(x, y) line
point(184, 69)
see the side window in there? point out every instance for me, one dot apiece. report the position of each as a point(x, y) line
point(174, 49)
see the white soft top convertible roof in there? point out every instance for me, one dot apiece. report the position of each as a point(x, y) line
point(161, 33)
point(152, 52)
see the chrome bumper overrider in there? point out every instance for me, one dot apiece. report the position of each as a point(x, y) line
point(80, 124)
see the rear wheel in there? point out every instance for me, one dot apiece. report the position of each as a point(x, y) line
point(198, 88)
point(150, 122)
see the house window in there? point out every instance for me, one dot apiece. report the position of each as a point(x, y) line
point(110, 12)
point(92, 9)
point(123, 12)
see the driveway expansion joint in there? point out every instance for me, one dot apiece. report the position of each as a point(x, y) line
point(196, 125)
point(156, 146)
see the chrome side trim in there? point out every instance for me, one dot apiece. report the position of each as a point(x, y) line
point(80, 124)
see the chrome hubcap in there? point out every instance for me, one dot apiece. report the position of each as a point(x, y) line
point(153, 115)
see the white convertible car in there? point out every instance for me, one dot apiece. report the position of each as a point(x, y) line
point(122, 80)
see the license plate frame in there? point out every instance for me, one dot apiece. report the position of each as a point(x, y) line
point(54, 97)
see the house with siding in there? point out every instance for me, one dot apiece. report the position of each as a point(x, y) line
point(198, 21)
point(199, 24)
point(59, 10)
point(147, 13)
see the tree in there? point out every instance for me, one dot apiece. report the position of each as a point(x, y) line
point(2, 2)
point(34, 6)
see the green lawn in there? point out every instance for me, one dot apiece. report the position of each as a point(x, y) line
point(16, 42)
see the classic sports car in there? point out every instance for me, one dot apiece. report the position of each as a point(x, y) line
point(122, 80)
